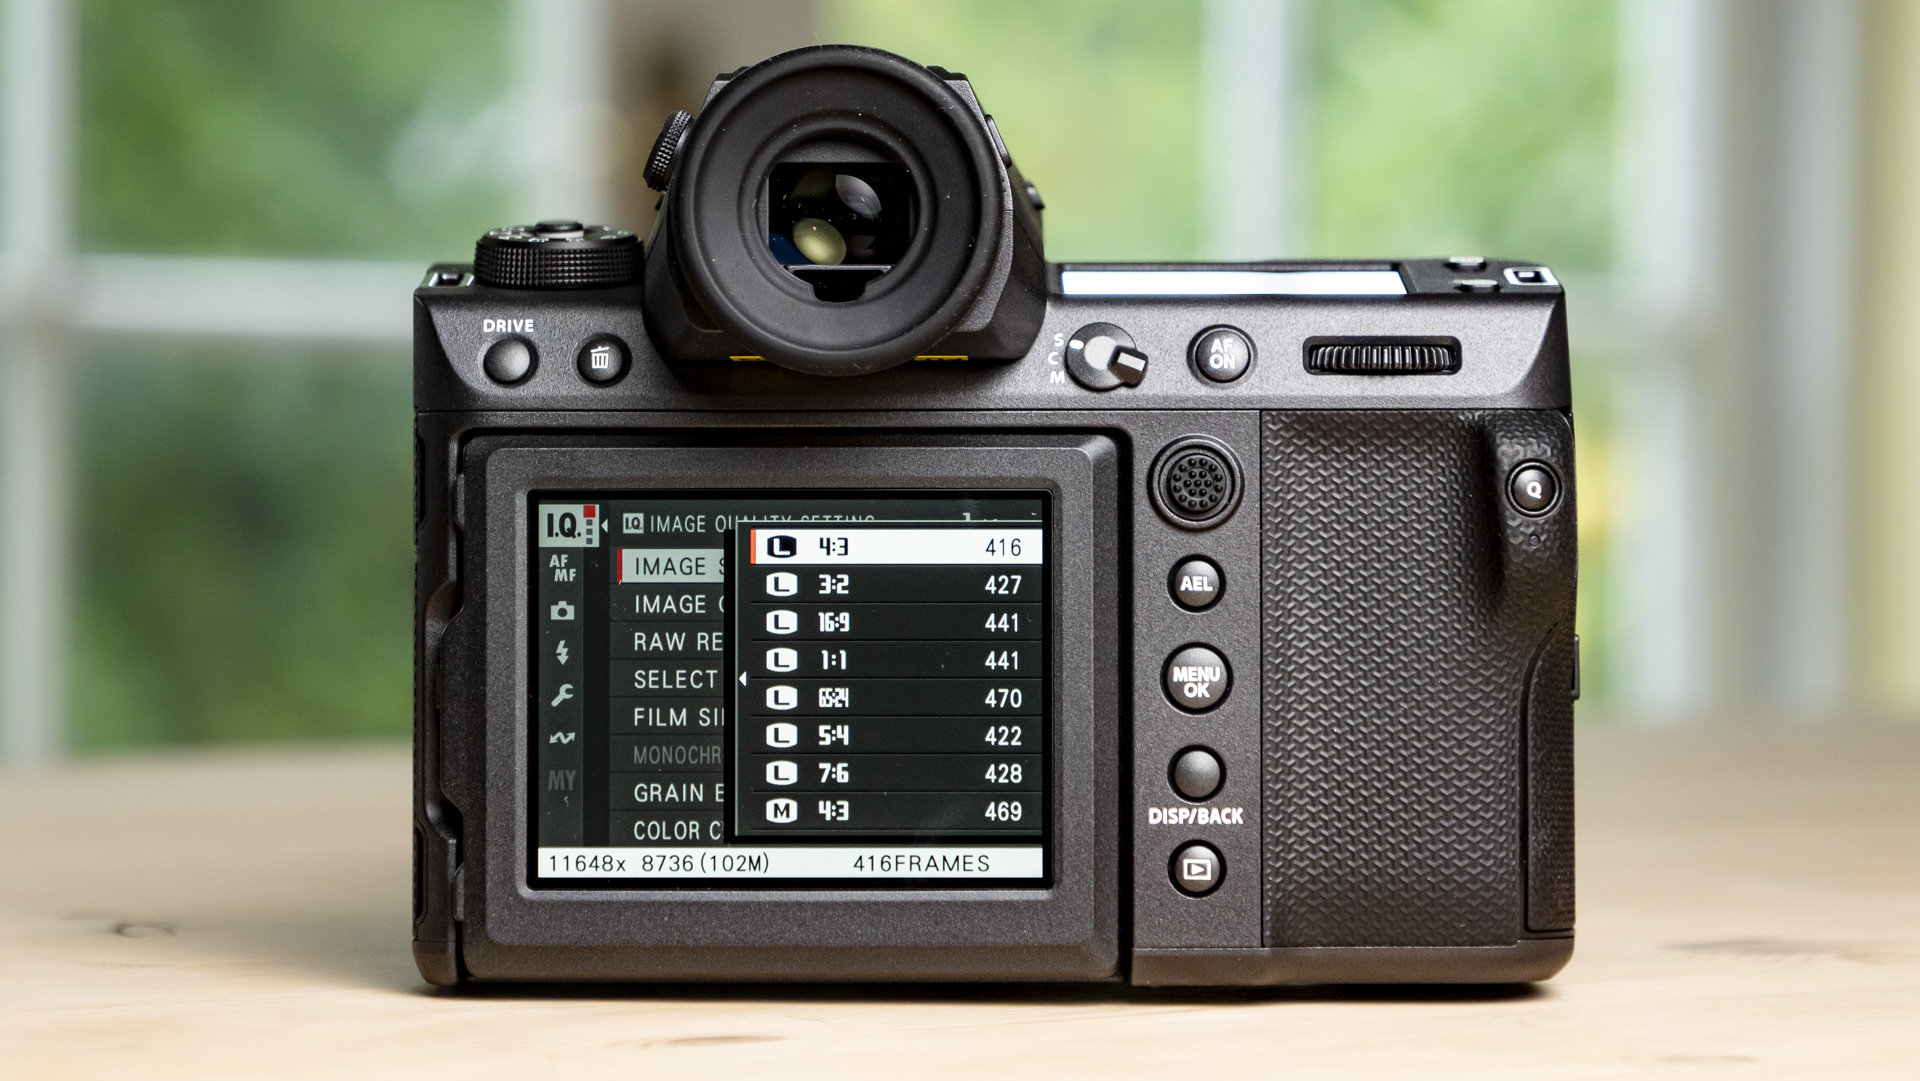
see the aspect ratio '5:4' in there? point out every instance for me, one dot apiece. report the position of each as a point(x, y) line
point(831, 588)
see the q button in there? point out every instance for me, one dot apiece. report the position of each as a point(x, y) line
point(1533, 488)
point(1197, 679)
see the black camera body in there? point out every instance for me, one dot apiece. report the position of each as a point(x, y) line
point(831, 588)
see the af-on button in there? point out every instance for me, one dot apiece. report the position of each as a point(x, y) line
point(1221, 354)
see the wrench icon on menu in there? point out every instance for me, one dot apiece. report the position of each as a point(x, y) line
point(566, 692)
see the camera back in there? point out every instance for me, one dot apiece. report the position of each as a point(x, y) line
point(831, 588)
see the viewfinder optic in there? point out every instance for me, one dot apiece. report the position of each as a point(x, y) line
point(837, 227)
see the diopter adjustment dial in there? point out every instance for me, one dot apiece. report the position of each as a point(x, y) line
point(556, 255)
point(659, 167)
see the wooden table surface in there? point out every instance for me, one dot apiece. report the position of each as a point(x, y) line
point(1749, 907)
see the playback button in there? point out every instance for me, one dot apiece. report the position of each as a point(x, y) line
point(1197, 869)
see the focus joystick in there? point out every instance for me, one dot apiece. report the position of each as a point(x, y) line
point(556, 255)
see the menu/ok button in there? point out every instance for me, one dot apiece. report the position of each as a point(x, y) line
point(1197, 679)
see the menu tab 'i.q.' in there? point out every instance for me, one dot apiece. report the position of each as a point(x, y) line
point(790, 688)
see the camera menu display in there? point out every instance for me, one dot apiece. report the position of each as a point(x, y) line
point(789, 688)
point(889, 680)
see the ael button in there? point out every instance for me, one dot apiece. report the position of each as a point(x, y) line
point(1195, 584)
point(1101, 356)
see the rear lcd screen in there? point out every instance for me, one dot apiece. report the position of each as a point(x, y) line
point(782, 689)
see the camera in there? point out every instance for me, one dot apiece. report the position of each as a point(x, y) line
point(828, 587)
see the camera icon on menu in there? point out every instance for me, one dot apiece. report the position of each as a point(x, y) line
point(782, 584)
point(783, 810)
point(782, 546)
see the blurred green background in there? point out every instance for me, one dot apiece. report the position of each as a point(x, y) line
point(244, 509)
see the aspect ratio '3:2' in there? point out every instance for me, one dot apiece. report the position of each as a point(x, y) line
point(791, 687)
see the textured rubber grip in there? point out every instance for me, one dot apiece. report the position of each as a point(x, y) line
point(1406, 604)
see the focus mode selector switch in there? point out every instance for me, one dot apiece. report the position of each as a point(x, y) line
point(1197, 869)
point(1533, 488)
point(1195, 584)
point(1101, 356)
point(1196, 773)
point(1197, 679)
